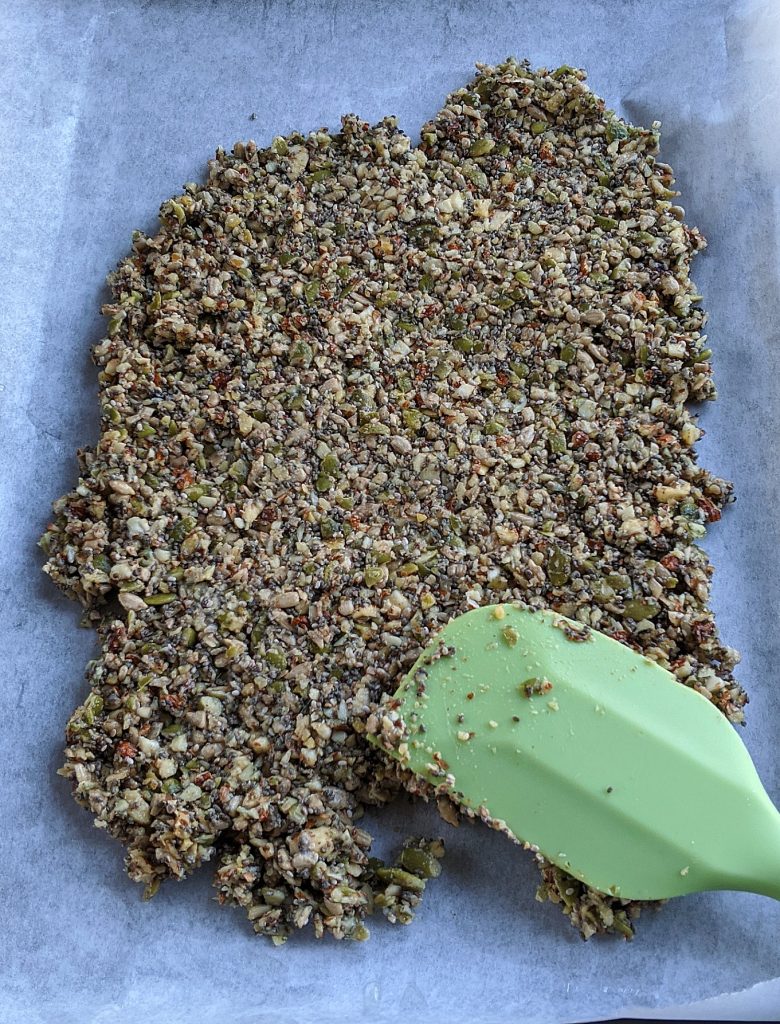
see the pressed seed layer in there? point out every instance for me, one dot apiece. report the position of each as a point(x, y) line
point(350, 389)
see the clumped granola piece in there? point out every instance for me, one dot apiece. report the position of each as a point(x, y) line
point(589, 911)
point(350, 389)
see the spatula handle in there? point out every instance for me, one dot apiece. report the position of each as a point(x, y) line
point(765, 877)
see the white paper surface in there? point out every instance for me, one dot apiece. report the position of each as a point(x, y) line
point(106, 109)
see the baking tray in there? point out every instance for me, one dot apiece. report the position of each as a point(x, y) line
point(107, 108)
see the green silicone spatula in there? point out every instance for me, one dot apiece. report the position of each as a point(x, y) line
point(621, 776)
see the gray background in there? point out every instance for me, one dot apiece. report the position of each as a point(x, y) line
point(105, 110)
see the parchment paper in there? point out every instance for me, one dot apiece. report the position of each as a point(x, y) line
point(106, 109)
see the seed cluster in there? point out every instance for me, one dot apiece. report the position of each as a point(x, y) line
point(350, 389)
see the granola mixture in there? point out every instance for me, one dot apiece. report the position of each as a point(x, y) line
point(350, 389)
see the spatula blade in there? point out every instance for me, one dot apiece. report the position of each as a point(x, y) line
point(589, 751)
